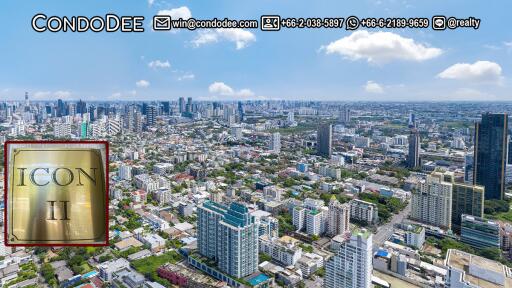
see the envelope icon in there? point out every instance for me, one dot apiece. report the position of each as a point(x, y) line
point(161, 22)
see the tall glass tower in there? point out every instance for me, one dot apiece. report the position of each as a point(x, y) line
point(491, 154)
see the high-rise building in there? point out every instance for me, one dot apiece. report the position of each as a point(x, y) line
point(345, 114)
point(236, 132)
point(92, 113)
point(490, 154)
point(61, 108)
point(166, 107)
point(291, 117)
point(338, 217)
point(61, 130)
point(275, 142)
point(351, 265)
point(72, 109)
point(432, 201)
point(228, 235)
point(188, 107)
point(241, 111)
point(137, 122)
point(412, 120)
point(466, 199)
point(469, 160)
point(480, 233)
point(81, 107)
point(151, 115)
point(324, 140)
point(113, 126)
point(84, 127)
point(413, 158)
point(181, 105)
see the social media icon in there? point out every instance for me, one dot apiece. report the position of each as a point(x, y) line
point(270, 23)
point(161, 22)
point(439, 23)
point(352, 23)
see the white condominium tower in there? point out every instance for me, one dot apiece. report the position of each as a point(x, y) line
point(229, 236)
point(351, 265)
point(432, 201)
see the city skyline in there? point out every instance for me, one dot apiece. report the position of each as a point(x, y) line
point(326, 64)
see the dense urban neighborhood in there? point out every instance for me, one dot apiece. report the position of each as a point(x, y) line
point(282, 194)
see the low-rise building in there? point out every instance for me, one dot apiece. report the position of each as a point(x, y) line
point(284, 250)
point(470, 271)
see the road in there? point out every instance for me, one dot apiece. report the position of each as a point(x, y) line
point(385, 231)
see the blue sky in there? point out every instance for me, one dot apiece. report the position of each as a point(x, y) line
point(302, 64)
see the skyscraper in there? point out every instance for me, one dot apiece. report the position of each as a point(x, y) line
point(324, 140)
point(490, 154)
point(181, 104)
point(413, 158)
point(432, 201)
point(61, 108)
point(166, 107)
point(228, 235)
point(241, 110)
point(188, 107)
point(412, 120)
point(338, 217)
point(275, 142)
point(345, 114)
point(81, 107)
point(351, 265)
point(150, 115)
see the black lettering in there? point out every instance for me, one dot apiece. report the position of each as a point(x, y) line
point(22, 176)
point(32, 176)
point(81, 171)
point(71, 176)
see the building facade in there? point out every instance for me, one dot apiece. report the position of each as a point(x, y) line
point(351, 266)
point(229, 236)
point(491, 154)
point(338, 217)
point(432, 201)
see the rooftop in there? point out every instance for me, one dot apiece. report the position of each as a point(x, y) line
point(462, 261)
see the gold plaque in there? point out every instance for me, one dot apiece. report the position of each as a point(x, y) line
point(56, 195)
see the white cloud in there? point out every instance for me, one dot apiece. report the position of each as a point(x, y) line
point(187, 76)
point(242, 38)
point(480, 71)
point(176, 13)
point(142, 84)
point(508, 44)
point(43, 95)
point(221, 88)
point(245, 93)
point(159, 64)
point(373, 87)
point(380, 47)
point(150, 2)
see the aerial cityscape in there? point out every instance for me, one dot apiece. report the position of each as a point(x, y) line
point(367, 157)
